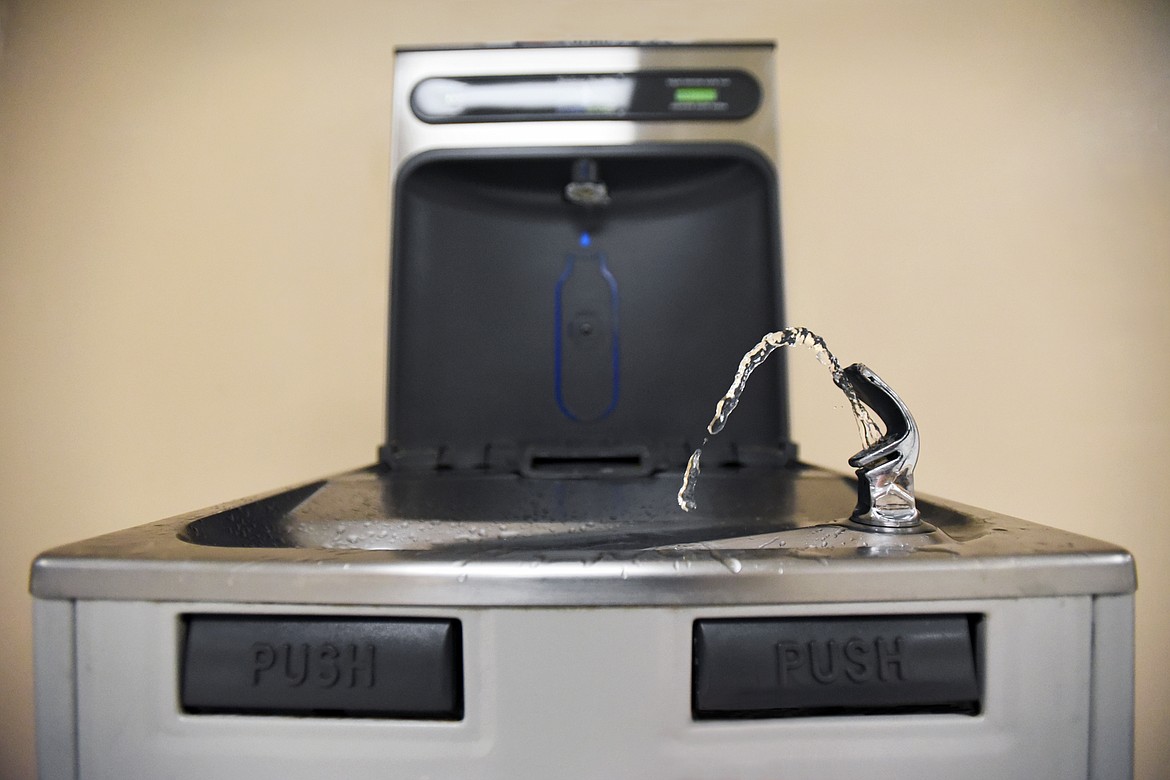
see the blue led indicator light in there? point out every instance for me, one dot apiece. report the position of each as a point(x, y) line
point(586, 240)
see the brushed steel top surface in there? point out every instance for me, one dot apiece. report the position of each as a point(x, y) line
point(759, 536)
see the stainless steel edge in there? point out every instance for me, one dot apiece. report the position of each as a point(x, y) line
point(582, 579)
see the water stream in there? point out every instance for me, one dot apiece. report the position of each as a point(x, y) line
point(788, 337)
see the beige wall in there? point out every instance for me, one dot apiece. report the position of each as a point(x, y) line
point(193, 241)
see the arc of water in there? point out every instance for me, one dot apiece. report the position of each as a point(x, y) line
point(795, 336)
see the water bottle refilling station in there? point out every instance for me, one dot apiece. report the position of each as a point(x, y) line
point(585, 242)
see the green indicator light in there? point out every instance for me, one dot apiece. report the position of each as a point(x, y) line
point(696, 95)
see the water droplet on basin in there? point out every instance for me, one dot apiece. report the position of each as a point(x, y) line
point(730, 562)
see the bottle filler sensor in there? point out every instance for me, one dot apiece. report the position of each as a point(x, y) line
point(585, 241)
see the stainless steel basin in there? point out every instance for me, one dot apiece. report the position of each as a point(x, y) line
point(373, 510)
point(758, 536)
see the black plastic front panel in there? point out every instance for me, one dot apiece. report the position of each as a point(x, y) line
point(522, 323)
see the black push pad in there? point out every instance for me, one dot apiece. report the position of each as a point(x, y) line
point(846, 665)
point(324, 666)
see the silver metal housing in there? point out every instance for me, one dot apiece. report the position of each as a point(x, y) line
point(411, 136)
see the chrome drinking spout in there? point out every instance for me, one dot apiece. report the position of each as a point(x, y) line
point(885, 469)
